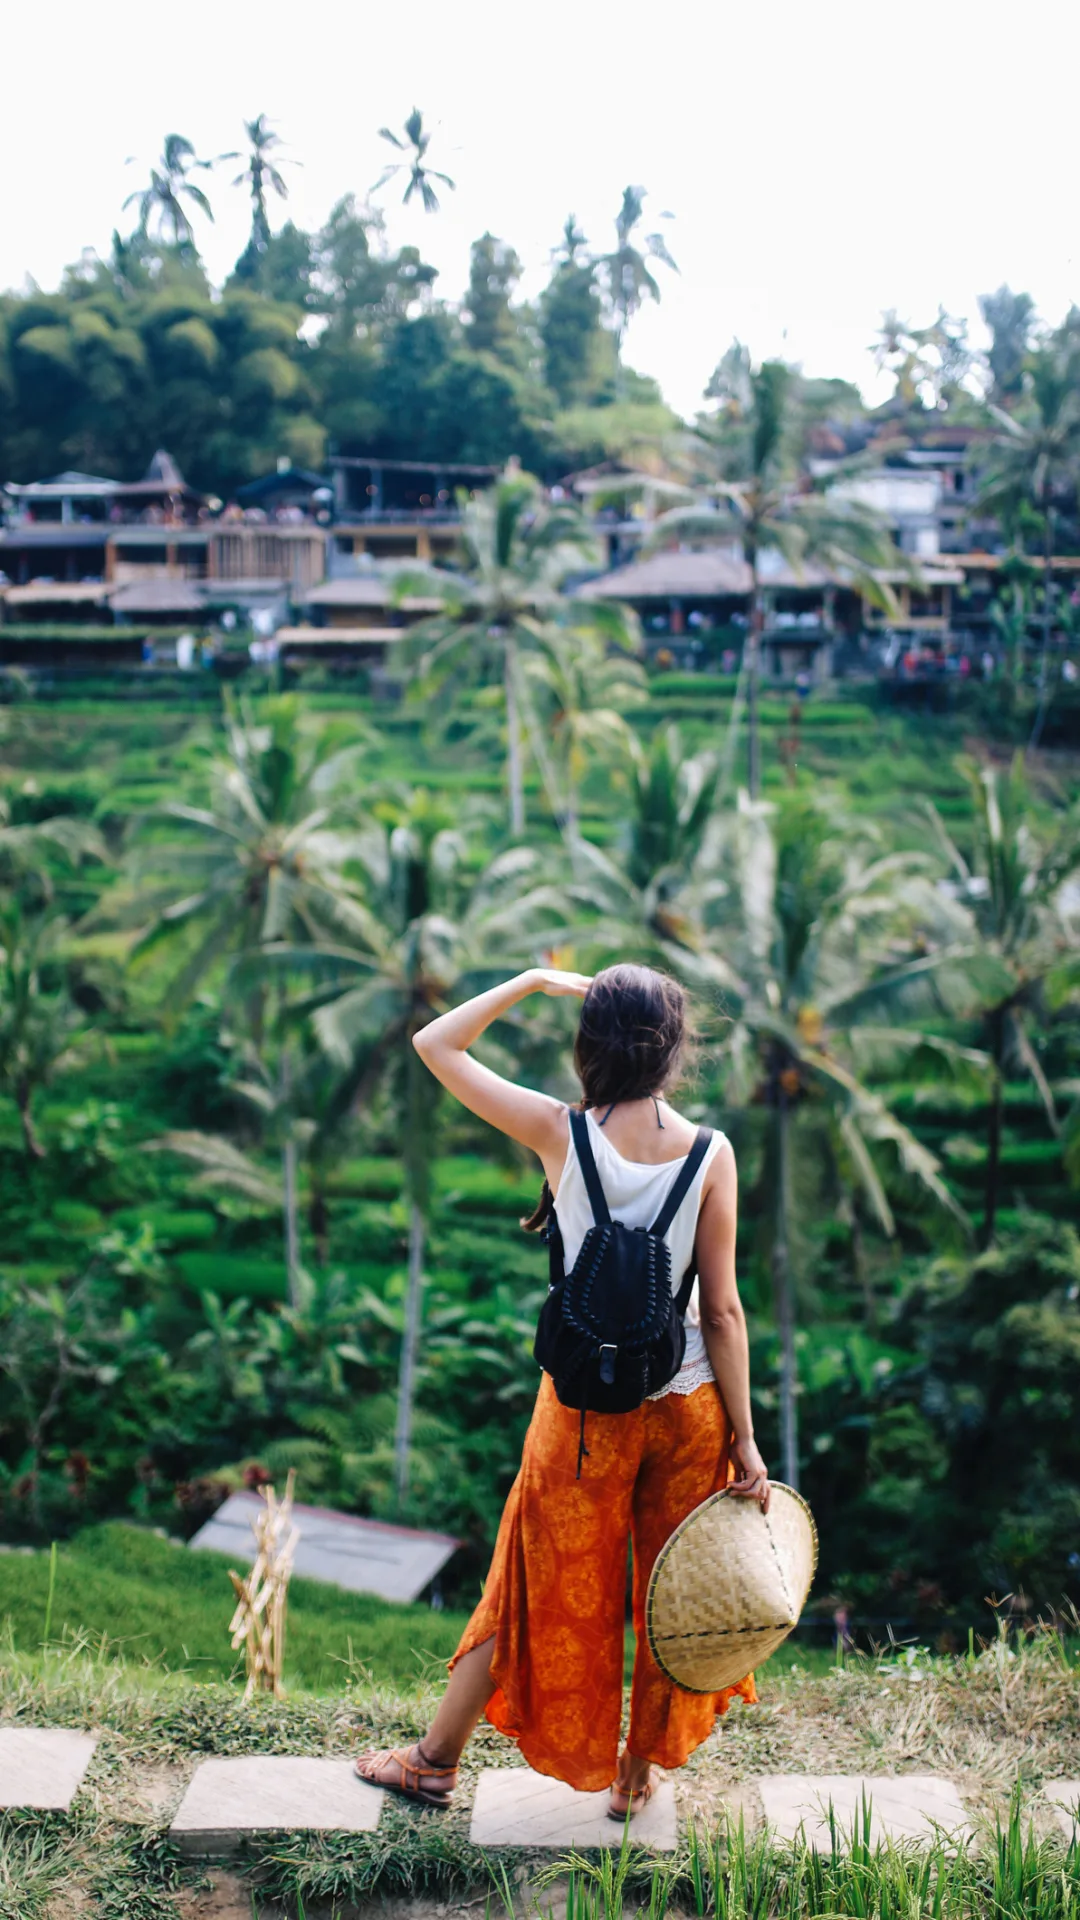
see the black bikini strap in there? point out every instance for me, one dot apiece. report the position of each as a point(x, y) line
point(683, 1184)
point(579, 1127)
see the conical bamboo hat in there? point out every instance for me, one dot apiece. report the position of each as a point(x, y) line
point(728, 1587)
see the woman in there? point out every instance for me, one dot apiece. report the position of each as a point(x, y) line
point(543, 1653)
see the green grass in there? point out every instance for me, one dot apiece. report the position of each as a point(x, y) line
point(162, 1605)
point(167, 1606)
point(1001, 1721)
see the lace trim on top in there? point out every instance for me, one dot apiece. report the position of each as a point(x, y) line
point(695, 1374)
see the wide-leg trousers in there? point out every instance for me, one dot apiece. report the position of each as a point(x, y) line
point(554, 1601)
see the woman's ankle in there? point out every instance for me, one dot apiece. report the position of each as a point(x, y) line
point(433, 1753)
point(631, 1772)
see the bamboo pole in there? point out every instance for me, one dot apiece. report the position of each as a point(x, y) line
point(258, 1624)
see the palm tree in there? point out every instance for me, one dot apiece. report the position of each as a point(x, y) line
point(259, 174)
point(629, 279)
point(1010, 905)
point(261, 864)
point(655, 891)
point(808, 928)
point(434, 928)
point(41, 1031)
point(1034, 462)
point(1010, 317)
point(578, 721)
point(170, 186)
point(1011, 619)
point(508, 601)
point(929, 364)
point(308, 1113)
point(749, 495)
point(673, 795)
point(420, 177)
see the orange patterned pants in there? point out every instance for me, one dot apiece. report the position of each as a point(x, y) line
point(555, 1598)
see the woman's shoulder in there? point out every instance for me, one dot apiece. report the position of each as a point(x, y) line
point(688, 1130)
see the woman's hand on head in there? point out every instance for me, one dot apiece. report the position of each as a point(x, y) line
point(751, 1480)
point(551, 980)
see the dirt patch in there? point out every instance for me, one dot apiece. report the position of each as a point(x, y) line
point(150, 1795)
point(224, 1897)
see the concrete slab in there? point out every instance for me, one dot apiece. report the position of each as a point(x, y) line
point(364, 1556)
point(910, 1806)
point(1064, 1798)
point(227, 1800)
point(515, 1807)
point(42, 1767)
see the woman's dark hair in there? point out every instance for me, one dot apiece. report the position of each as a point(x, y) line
point(631, 1040)
point(631, 1036)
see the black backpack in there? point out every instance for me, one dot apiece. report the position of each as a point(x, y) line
point(611, 1330)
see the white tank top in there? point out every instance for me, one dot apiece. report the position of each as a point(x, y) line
point(635, 1193)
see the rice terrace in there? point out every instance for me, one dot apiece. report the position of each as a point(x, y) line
point(539, 973)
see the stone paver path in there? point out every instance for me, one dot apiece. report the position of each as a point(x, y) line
point(913, 1806)
point(515, 1807)
point(42, 1767)
point(227, 1800)
point(1064, 1798)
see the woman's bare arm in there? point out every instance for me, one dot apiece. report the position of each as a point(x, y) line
point(723, 1322)
point(536, 1119)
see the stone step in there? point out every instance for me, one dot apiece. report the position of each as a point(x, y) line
point(229, 1801)
point(42, 1768)
point(1064, 1798)
point(515, 1807)
point(911, 1806)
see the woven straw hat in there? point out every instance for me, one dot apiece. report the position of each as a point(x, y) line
point(728, 1587)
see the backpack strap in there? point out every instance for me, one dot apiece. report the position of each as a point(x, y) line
point(683, 1184)
point(579, 1127)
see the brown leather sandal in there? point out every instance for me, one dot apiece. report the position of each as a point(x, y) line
point(397, 1772)
point(632, 1798)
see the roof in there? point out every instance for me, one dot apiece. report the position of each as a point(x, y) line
point(365, 590)
point(60, 484)
point(157, 596)
point(41, 593)
point(252, 587)
point(159, 536)
point(928, 573)
point(161, 476)
point(285, 480)
point(674, 574)
point(991, 562)
point(715, 572)
point(339, 636)
point(50, 533)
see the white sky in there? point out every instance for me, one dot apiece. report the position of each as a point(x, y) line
point(824, 159)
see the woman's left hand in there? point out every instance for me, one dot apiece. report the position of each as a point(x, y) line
point(752, 1475)
point(554, 981)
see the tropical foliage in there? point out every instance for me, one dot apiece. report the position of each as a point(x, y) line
point(249, 1236)
point(241, 1231)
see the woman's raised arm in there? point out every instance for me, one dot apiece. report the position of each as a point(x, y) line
point(536, 1119)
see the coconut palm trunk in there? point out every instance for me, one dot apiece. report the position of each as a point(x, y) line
point(416, 1176)
point(289, 1184)
point(1047, 628)
point(783, 1293)
point(410, 1345)
point(292, 1222)
point(993, 1131)
point(514, 769)
point(753, 676)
